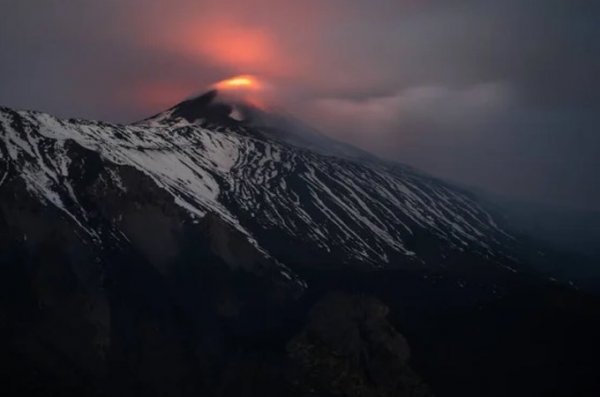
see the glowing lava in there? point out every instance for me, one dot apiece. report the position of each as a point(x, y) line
point(239, 83)
point(244, 88)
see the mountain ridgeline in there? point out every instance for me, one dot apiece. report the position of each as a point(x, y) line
point(219, 249)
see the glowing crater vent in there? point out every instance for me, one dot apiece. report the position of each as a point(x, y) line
point(245, 82)
point(246, 89)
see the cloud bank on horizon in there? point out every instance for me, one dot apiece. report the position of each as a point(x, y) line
point(499, 95)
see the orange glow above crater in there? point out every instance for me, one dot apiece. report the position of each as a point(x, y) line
point(245, 82)
point(228, 44)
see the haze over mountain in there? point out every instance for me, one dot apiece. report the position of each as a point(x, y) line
point(498, 95)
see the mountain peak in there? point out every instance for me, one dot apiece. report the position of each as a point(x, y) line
point(236, 102)
point(205, 106)
point(228, 101)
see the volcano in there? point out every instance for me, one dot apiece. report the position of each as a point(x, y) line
point(220, 248)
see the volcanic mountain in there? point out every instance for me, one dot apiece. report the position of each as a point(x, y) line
point(195, 253)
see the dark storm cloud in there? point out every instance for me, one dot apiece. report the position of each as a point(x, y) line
point(502, 95)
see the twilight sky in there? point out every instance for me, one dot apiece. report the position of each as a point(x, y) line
point(502, 95)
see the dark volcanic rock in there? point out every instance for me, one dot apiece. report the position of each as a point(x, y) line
point(150, 303)
point(348, 348)
point(180, 256)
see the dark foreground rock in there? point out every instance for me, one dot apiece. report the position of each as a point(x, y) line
point(348, 348)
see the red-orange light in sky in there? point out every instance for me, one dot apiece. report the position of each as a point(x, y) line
point(227, 44)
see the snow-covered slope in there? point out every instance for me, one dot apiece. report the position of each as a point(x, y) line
point(340, 209)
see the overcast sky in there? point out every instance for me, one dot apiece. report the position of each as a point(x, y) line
point(502, 95)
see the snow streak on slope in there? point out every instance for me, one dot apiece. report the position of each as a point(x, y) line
point(189, 169)
point(369, 212)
